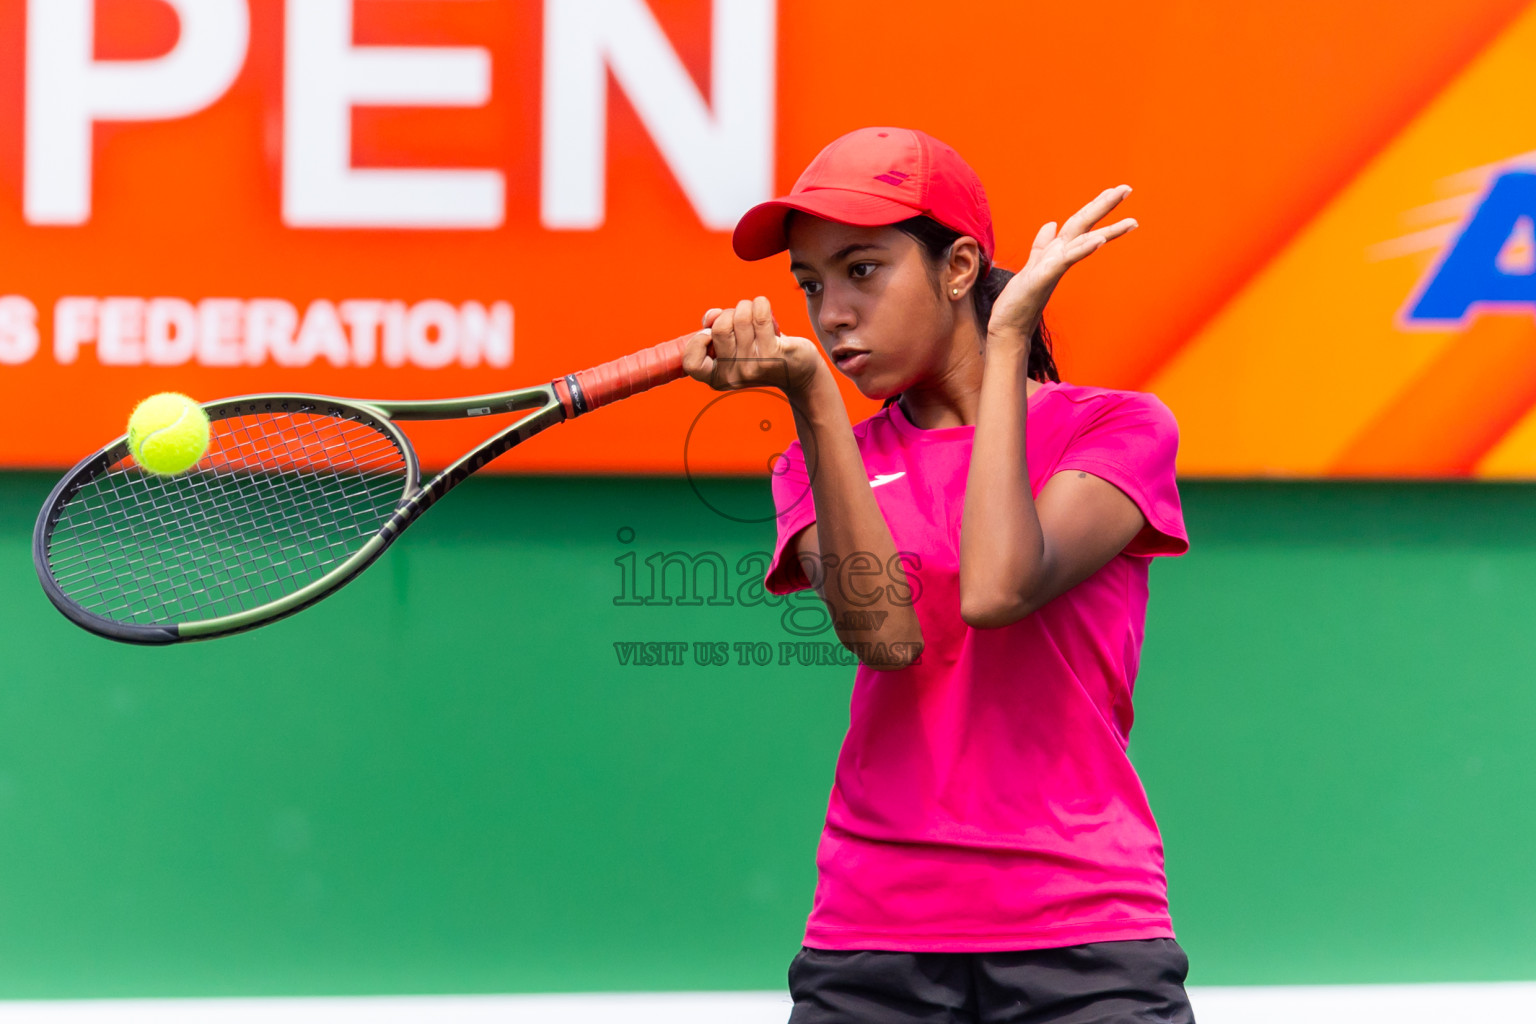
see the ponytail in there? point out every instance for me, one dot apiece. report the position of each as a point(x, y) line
point(936, 240)
point(1042, 363)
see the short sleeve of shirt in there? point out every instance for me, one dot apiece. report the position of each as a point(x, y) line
point(1132, 442)
point(793, 512)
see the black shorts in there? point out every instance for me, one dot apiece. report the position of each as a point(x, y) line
point(1140, 981)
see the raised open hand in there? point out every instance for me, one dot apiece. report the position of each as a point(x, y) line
point(1019, 307)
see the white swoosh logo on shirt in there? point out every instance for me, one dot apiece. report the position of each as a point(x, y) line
point(885, 478)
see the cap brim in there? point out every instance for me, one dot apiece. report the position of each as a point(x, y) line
point(760, 232)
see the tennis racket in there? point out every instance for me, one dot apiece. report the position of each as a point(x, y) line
point(296, 495)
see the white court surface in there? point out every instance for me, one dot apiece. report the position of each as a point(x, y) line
point(1311, 1004)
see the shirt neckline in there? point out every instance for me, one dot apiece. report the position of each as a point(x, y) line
point(964, 430)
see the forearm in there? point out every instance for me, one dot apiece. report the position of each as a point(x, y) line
point(855, 562)
point(1017, 554)
point(1003, 552)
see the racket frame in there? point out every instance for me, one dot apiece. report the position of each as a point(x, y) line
point(548, 407)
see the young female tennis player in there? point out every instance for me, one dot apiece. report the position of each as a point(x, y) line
point(982, 544)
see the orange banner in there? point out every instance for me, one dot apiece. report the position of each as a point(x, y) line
point(429, 198)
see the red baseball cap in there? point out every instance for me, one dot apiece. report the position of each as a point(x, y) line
point(872, 177)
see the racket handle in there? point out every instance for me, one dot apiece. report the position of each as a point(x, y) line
point(628, 375)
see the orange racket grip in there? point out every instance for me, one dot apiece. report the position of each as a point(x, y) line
point(628, 375)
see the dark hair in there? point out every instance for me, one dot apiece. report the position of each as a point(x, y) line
point(936, 240)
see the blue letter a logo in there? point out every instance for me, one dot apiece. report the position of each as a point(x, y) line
point(1478, 269)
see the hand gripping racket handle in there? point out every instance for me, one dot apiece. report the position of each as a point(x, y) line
point(628, 375)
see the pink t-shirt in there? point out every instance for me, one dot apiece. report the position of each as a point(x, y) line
point(983, 798)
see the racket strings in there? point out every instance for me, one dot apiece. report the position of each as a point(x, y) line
point(278, 501)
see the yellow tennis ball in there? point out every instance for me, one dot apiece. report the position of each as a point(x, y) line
point(168, 433)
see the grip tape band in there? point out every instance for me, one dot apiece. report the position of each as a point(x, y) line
point(578, 396)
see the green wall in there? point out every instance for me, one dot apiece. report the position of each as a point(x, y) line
point(442, 780)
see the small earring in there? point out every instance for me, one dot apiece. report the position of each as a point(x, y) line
point(954, 291)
